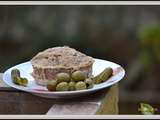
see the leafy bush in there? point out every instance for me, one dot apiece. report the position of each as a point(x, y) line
point(149, 37)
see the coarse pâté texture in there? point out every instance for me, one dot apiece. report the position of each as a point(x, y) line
point(48, 63)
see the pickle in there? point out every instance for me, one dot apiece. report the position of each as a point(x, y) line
point(103, 76)
point(17, 79)
point(20, 81)
point(23, 81)
point(15, 73)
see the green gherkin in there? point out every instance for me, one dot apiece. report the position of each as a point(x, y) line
point(15, 73)
point(103, 76)
point(17, 79)
point(23, 81)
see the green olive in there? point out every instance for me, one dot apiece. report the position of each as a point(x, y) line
point(63, 77)
point(89, 83)
point(63, 86)
point(71, 85)
point(78, 76)
point(80, 85)
point(51, 85)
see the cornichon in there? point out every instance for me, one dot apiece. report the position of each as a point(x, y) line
point(103, 76)
point(15, 73)
point(23, 81)
point(17, 79)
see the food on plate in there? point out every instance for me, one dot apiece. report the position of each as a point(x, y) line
point(80, 85)
point(89, 83)
point(63, 81)
point(72, 85)
point(48, 63)
point(78, 76)
point(23, 81)
point(66, 69)
point(51, 85)
point(63, 77)
point(63, 69)
point(103, 76)
point(15, 73)
point(17, 79)
point(63, 86)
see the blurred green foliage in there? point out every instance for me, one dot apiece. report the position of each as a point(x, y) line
point(146, 109)
point(149, 37)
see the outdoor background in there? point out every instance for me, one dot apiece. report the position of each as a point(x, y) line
point(127, 35)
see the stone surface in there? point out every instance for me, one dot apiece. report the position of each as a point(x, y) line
point(81, 108)
point(109, 104)
point(13, 101)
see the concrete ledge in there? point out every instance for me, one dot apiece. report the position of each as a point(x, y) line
point(13, 101)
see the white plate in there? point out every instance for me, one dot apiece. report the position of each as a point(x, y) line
point(98, 66)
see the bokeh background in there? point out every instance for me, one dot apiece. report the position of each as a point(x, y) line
point(127, 35)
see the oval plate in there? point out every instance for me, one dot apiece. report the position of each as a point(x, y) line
point(98, 66)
